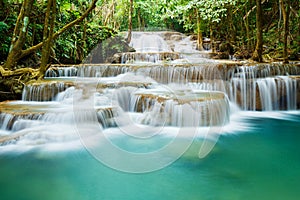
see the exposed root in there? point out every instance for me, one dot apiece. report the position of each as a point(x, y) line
point(18, 72)
point(12, 82)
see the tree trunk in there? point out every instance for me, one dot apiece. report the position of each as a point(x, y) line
point(83, 40)
point(18, 42)
point(285, 8)
point(247, 28)
point(231, 24)
point(199, 33)
point(130, 22)
point(48, 35)
point(109, 14)
point(17, 53)
point(257, 55)
point(139, 19)
point(2, 10)
point(17, 26)
point(246, 22)
point(212, 39)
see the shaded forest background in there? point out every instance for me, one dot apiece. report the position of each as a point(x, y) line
point(233, 23)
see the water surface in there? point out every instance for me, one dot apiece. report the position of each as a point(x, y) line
point(260, 162)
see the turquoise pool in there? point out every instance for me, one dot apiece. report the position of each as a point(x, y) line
point(258, 162)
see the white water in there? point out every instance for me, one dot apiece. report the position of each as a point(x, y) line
point(118, 101)
point(82, 104)
point(242, 84)
point(149, 42)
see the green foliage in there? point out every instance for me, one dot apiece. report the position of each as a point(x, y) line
point(3, 26)
point(6, 28)
point(72, 46)
point(4, 40)
point(233, 21)
point(210, 11)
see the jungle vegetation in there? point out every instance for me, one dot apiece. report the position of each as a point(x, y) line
point(35, 33)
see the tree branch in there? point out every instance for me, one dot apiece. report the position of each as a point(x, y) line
point(17, 72)
point(253, 8)
point(62, 30)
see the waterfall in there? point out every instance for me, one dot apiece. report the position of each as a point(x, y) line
point(151, 47)
point(86, 70)
point(267, 91)
point(102, 70)
point(171, 107)
point(263, 87)
point(13, 121)
point(148, 57)
point(149, 42)
point(289, 90)
point(151, 90)
point(122, 97)
point(45, 91)
point(61, 71)
point(254, 87)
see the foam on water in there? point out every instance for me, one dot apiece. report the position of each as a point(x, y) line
point(151, 100)
point(45, 136)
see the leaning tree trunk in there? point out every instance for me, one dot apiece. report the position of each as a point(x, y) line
point(257, 55)
point(199, 33)
point(285, 8)
point(17, 53)
point(247, 29)
point(232, 29)
point(19, 35)
point(212, 39)
point(48, 35)
point(130, 22)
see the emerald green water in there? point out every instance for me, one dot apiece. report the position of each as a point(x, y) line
point(259, 163)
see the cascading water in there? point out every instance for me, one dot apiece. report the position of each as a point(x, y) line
point(115, 89)
point(149, 42)
point(263, 87)
point(45, 91)
point(242, 83)
point(61, 71)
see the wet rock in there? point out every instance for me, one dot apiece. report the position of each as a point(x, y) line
point(116, 58)
point(176, 37)
point(226, 48)
point(104, 51)
point(10, 89)
point(193, 37)
point(169, 35)
point(220, 55)
point(242, 53)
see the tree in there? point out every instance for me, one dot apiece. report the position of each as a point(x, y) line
point(48, 34)
point(257, 55)
point(209, 11)
point(130, 21)
point(19, 34)
point(17, 52)
point(235, 22)
point(285, 9)
point(199, 32)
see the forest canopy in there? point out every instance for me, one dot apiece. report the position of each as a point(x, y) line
point(232, 25)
